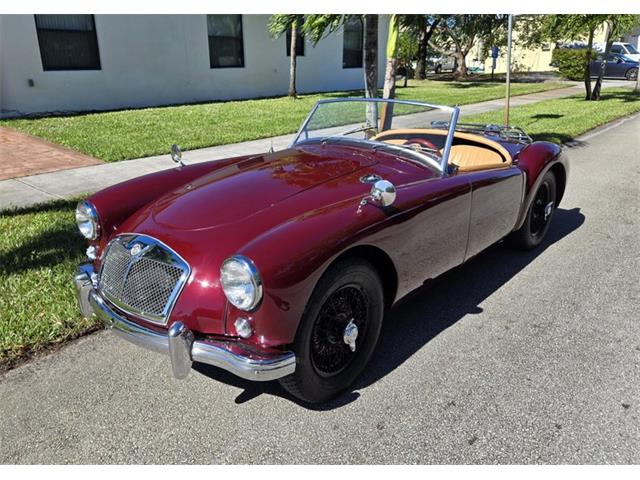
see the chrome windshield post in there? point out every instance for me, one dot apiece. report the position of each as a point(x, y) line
point(444, 163)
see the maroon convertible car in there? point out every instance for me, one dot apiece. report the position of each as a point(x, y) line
point(282, 265)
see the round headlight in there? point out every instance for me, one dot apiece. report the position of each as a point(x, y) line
point(87, 220)
point(241, 282)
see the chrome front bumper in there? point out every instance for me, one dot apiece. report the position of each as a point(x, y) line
point(179, 343)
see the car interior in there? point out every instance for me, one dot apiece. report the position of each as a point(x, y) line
point(469, 152)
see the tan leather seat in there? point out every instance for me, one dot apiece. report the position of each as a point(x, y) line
point(469, 158)
point(485, 154)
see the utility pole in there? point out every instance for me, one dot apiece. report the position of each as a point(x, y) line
point(508, 97)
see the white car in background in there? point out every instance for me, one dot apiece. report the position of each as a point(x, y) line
point(626, 49)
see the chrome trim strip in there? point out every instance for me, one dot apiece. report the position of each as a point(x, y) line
point(444, 165)
point(182, 350)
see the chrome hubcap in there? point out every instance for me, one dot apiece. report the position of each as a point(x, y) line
point(350, 335)
point(547, 210)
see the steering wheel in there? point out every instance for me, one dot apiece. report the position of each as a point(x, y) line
point(422, 142)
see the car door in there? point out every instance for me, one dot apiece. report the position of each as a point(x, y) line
point(426, 233)
point(615, 66)
point(496, 196)
point(595, 66)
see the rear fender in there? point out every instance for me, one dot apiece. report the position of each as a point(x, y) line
point(535, 161)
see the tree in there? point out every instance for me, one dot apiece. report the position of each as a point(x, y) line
point(464, 31)
point(317, 26)
point(614, 26)
point(420, 29)
point(280, 24)
point(535, 29)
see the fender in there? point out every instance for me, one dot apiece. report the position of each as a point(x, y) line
point(535, 161)
point(118, 202)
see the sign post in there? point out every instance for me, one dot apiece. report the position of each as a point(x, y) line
point(507, 99)
point(495, 52)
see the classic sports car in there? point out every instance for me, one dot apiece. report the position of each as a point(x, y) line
point(281, 265)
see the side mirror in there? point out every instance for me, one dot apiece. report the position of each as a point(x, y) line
point(383, 193)
point(176, 154)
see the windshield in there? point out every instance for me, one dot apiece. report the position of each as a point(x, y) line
point(631, 49)
point(375, 123)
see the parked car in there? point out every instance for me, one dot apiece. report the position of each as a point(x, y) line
point(445, 63)
point(626, 49)
point(281, 265)
point(617, 66)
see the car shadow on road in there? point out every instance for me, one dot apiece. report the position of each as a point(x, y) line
point(426, 312)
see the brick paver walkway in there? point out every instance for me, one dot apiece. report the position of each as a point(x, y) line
point(22, 155)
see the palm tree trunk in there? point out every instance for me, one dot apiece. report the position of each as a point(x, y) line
point(370, 58)
point(421, 64)
point(587, 68)
point(292, 68)
point(370, 64)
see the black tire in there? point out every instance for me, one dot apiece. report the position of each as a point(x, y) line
point(538, 219)
point(632, 74)
point(438, 69)
point(351, 291)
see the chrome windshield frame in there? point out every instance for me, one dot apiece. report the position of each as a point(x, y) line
point(454, 111)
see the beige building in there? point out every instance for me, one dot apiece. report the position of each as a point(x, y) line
point(527, 59)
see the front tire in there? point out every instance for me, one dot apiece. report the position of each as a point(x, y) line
point(338, 332)
point(632, 74)
point(539, 216)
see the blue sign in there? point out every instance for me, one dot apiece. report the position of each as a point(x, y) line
point(495, 52)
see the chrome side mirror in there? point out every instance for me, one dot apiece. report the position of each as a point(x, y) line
point(176, 154)
point(383, 194)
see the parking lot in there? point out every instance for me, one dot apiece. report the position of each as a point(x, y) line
point(512, 358)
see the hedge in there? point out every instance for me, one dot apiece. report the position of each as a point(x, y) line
point(570, 62)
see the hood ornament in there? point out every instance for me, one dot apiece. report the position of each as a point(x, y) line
point(176, 155)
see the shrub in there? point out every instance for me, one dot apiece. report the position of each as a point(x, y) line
point(570, 62)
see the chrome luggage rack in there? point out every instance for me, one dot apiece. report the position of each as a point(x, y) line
point(508, 133)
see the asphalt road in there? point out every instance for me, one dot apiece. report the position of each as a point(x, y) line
point(513, 357)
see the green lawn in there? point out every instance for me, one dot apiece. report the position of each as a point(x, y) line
point(127, 134)
point(563, 119)
point(39, 251)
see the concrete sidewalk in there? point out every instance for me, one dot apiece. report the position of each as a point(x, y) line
point(34, 189)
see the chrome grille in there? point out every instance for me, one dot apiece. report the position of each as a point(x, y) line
point(142, 276)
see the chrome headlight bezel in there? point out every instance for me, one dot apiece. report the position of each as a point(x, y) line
point(87, 216)
point(247, 278)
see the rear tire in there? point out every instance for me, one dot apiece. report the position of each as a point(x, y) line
point(632, 74)
point(539, 216)
point(349, 293)
point(438, 70)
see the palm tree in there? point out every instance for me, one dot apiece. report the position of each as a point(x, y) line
point(283, 23)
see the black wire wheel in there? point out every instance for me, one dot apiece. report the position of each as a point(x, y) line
point(338, 331)
point(539, 215)
point(632, 74)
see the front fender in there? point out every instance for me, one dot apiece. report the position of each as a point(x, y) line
point(293, 256)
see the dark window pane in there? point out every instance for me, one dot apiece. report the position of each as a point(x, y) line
point(299, 43)
point(226, 48)
point(352, 46)
point(67, 42)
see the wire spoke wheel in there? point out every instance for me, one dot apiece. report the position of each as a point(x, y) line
point(539, 213)
point(330, 352)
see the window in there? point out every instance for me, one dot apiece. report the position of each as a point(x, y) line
point(299, 43)
point(617, 49)
point(226, 48)
point(67, 42)
point(352, 47)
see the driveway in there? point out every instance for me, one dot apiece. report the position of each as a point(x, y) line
point(514, 357)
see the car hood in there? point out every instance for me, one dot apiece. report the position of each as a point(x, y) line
point(252, 185)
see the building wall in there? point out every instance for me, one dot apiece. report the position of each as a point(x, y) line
point(149, 60)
